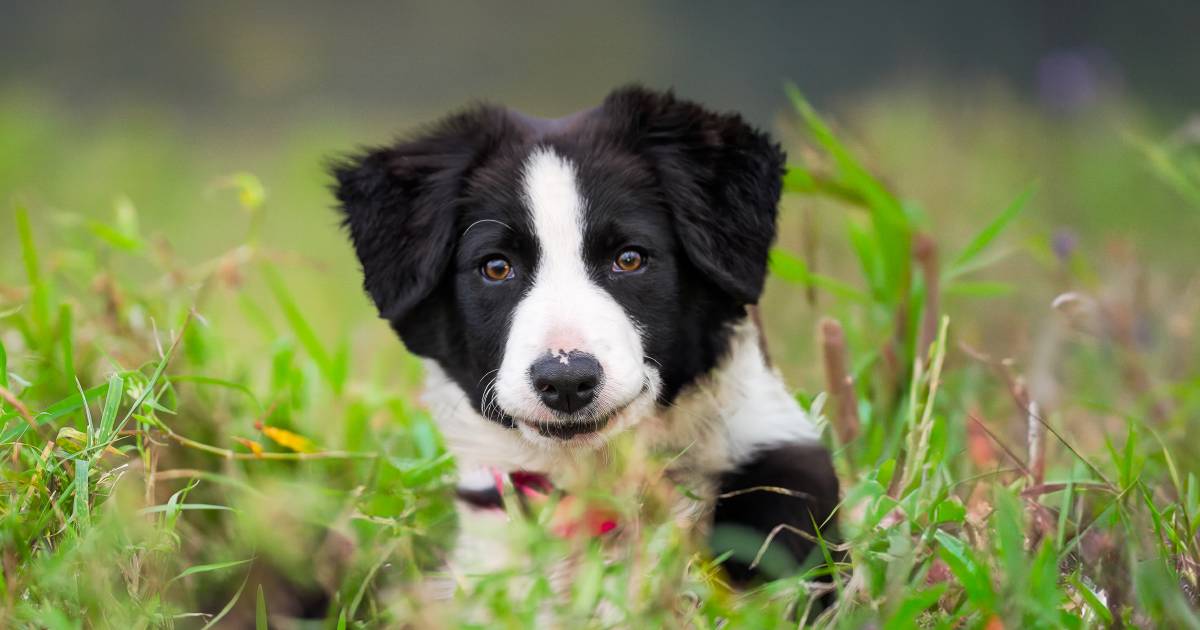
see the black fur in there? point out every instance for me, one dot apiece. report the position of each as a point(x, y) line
point(751, 505)
point(694, 188)
point(723, 180)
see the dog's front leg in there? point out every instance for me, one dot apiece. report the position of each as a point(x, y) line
point(784, 493)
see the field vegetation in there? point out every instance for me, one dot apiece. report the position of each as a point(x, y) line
point(992, 311)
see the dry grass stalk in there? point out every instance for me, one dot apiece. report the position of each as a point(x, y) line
point(896, 347)
point(838, 381)
point(22, 410)
point(810, 235)
point(979, 445)
point(1036, 441)
point(1123, 322)
point(756, 318)
point(1003, 447)
point(925, 252)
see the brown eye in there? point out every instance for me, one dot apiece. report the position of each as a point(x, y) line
point(496, 269)
point(628, 260)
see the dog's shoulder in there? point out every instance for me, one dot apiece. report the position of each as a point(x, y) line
point(742, 407)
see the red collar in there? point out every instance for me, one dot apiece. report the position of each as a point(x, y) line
point(532, 491)
point(528, 484)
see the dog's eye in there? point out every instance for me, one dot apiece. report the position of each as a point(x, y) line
point(628, 260)
point(496, 269)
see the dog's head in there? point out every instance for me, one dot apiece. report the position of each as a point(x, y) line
point(566, 273)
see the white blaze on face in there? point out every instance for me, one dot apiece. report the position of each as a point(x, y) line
point(564, 310)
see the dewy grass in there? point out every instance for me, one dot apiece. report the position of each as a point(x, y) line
point(190, 445)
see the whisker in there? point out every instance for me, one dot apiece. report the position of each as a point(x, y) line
point(464, 232)
point(489, 404)
point(486, 374)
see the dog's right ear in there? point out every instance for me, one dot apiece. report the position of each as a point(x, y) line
point(399, 205)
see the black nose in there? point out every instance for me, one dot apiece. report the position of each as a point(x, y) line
point(566, 382)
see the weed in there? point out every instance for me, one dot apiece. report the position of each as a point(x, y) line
point(184, 445)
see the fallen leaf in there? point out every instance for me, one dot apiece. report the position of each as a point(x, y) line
point(287, 439)
point(254, 447)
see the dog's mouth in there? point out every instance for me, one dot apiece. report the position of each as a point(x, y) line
point(576, 430)
point(568, 430)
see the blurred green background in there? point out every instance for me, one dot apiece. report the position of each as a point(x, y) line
point(956, 106)
point(128, 130)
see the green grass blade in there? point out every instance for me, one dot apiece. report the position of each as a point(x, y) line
point(1093, 601)
point(1010, 537)
point(792, 268)
point(880, 201)
point(888, 217)
point(53, 412)
point(212, 623)
point(66, 336)
point(205, 568)
point(112, 403)
point(114, 237)
point(966, 567)
point(992, 230)
point(260, 611)
point(158, 372)
point(300, 326)
point(218, 382)
point(3, 366)
point(1167, 168)
point(33, 272)
point(172, 508)
point(910, 609)
point(81, 513)
point(987, 259)
point(866, 248)
point(798, 180)
point(90, 436)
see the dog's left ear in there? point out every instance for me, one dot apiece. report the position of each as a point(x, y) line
point(721, 177)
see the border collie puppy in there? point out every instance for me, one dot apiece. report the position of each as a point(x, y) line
point(572, 280)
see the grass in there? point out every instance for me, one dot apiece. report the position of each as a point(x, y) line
point(193, 434)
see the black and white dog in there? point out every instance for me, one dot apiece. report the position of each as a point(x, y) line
point(574, 279)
